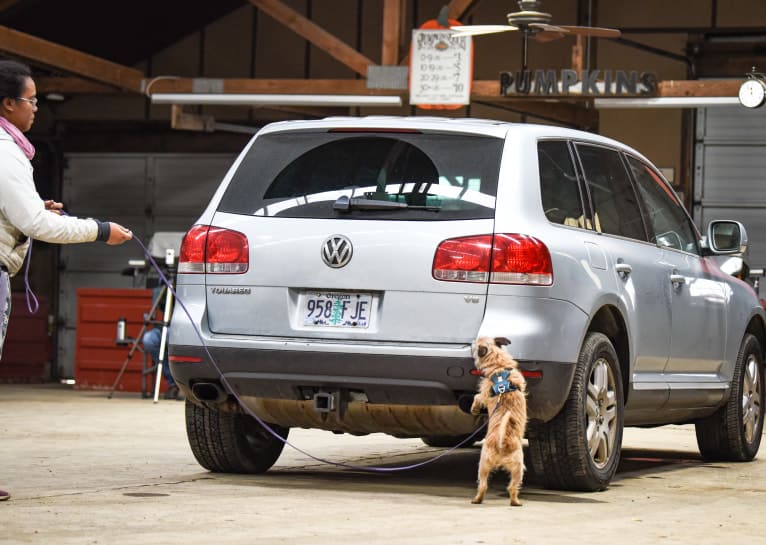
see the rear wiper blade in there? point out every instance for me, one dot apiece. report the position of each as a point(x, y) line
point(344, 203)
point(360, 203)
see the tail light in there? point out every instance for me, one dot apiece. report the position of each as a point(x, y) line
point(213, 250)
point(498, 259)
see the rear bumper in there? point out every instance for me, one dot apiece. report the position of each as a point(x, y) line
point(379, 379)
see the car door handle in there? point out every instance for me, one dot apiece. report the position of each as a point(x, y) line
point(623, 268)
point(677, 279)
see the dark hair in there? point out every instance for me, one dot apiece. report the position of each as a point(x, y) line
point(13, 76)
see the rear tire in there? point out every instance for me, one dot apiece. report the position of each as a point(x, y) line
point(228, 442)
point(733, 433)
point(580, 448)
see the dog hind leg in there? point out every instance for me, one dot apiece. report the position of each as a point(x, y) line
point(516, 471)
point(484, 471)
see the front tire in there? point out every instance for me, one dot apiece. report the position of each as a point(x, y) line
point(580, 448)
point(229, 442)
point(733, 433)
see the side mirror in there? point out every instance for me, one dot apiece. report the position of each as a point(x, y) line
point(725, 237)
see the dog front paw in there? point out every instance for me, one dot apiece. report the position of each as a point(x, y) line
point(477, 405)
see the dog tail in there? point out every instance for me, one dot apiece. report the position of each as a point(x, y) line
point(501, 430)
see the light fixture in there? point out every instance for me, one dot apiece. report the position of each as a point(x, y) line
point(231, 99)
point(55, 97)
point(664, 102)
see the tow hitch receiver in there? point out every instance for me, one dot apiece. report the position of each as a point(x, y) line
point(325, 402)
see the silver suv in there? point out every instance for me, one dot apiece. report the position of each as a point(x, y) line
point(344, 266)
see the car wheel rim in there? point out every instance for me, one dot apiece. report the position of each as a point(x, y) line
point(601, 412)
point(751, 399)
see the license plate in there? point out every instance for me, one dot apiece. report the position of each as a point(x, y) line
point(337, 309)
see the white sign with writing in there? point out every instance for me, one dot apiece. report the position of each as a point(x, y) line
point(440, 69)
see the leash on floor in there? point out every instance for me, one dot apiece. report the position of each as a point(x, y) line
point(225, 383)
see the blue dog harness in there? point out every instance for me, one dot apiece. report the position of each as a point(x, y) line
point(501, 384)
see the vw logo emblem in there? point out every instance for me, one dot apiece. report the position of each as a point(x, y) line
point(337, 251)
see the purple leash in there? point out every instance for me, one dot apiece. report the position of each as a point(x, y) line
point(30, 295)
point(268, 428)
point(32, 299)
point(27, 288)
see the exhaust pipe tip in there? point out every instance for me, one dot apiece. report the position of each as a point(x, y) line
point(209, 392)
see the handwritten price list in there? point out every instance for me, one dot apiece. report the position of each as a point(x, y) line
point(440, 70)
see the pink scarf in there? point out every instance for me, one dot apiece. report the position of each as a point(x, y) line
point(18, 137)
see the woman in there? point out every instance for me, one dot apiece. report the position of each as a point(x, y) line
point(23, 214)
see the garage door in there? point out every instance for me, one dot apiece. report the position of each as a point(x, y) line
point(730, 172)
point(146, 193)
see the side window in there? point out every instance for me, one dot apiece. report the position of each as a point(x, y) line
point(615, 204)
point(670, 224)
point(558, 184)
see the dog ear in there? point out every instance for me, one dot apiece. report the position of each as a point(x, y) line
point(482, 351)
point(501, 341)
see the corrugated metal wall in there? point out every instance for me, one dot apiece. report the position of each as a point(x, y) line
point(144, 192)
point(730, 172)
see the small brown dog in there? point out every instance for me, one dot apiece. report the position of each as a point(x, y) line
point(502, 390)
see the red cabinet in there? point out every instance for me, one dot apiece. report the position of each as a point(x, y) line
point(98, 359)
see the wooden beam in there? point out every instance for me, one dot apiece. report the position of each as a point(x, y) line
point(69, 60)
point(569, 110)
point(315, 34)
point(274, 86)
point(668, 88)
point(72, 86)
point(5, 4)
point(392, 21)
point(578, 53)
point(699, 88)
point(457, 8)
point(482, 89)
point(181, 120)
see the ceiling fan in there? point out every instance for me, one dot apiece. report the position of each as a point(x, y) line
point(535, 24)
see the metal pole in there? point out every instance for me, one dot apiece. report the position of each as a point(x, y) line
point(524, 46)
point(133, 348)
point(170, 262)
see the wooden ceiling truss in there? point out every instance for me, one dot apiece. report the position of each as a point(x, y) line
point(78, 72)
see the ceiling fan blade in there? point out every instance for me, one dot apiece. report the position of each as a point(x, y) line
point(477, 30)
point(592, 31)
point(547, 33)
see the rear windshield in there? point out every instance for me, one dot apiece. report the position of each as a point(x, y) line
point(367, 176)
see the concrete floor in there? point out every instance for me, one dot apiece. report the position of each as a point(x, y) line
point(84, 469)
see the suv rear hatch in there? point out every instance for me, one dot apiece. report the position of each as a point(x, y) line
point(356, 235)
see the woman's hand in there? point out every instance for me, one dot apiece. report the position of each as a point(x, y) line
point(118, 234)
point(53, 206)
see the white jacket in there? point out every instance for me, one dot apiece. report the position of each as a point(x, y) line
point(23, 213)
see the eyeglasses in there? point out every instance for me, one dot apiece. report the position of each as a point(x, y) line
point(32, 101)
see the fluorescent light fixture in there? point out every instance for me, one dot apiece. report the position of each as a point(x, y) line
point(55, 97)
point(664, 102)
point(231, 99)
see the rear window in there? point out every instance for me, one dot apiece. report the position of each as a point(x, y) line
point(408, 176)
